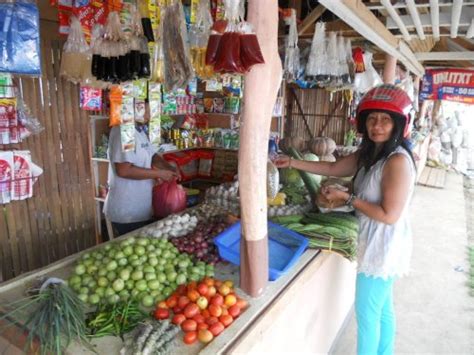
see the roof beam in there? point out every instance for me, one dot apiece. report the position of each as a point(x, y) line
point(444, 19)
point(361, 19)
point(416, 18)
point(311, 19)
point(434, 12)
point(396, 17)
point(442, 56)
point(401, 5)
point(470, 30)
point(455, 17)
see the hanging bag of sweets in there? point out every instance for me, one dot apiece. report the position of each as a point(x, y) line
point(345, 79)
point(228, 58)
point(333, 58)
point(75, 55)
point(292, 52)
point(316, 67)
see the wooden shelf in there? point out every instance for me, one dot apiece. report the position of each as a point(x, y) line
point(101, 160)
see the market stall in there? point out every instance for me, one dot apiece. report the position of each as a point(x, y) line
point(237, 249)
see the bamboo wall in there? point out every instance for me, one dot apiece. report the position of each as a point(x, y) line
point(326, 114)
point(59, 219)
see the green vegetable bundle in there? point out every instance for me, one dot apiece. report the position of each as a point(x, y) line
point(333, 231)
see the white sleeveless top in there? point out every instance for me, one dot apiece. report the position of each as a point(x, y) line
point(383, 250)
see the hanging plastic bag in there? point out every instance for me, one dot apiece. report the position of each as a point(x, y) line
point(198, 38)
point(345, 79)
point(350, 60)
point(292, 52)
point(168, 197)
point(228, 57)
point(146, 20)
point(157, 66)
point(178, 68)
point(333, 58)
point(218, 29)
point(19, 38)
point(363, 82)
point(317, 66)
point(75, 57)
point(250, 52)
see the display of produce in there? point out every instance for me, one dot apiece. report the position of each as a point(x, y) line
point(333, 231)
point(202, 310)
point(199, 242)
point(154, 337)
point(175, 225)
point(140, 268)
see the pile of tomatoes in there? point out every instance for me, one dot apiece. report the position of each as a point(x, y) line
point(203, 310)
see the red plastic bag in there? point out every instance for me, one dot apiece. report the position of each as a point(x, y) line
point(228, 55)
point(214, 40)
point(168, 197)
point(250, 53)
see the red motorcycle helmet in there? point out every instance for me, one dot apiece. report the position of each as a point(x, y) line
point(386, 98)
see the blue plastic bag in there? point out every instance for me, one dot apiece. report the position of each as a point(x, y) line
point(19, 38)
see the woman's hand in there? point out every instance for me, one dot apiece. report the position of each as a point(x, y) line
point(282, 161)
point(333, 194)
point(166, 175)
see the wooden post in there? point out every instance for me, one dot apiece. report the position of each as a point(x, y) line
point(389, 69)
point(261, 89)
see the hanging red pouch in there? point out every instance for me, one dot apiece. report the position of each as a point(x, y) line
point(214, 40)
point(250, 53)
point(228, 55)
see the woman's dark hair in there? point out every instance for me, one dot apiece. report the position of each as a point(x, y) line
point(367, 156)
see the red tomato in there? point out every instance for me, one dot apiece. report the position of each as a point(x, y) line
point(181, 290)
point(190, 337)
point(192, 285)
point(161, 313)
point(218, 300)
point(234, 311)
point(230, 299)
point(205, 313)
point(199, 318)
point(224, 310)
point(162, 304)
point(242, 303)
point(191, 310)
point(203, 289)
point(211, 292)
point(177, 309)
point(216, 328)
point(172, 301)
point(183, 301)
point(212, 320)
point(202, 326)
point(178, 319)
point(189, 325)
point(208, 281)
point(226, 320)
point(193, 295)
point(205, 336)
point(215, 311)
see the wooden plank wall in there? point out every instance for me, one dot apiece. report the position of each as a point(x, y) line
point(59, 219)
point(321, 109)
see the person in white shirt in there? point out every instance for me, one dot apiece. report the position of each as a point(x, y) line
point(131, 178)
point(384, 179)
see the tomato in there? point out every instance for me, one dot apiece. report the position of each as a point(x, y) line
point(191, 310)
point(161, 313)
point(177, 309)
point(183, 301)
point(217, 300)
point(226, 320)
point(202, 302)
point(215, 311)
point(178, 319)
point(216, 328)
point(224, 290)
point(181, 290)
point(162, 304)
point(193, 295)
point(189, 325)
point(172, 301)
point(202, 326)
point(211, 291)
point(234, 311)
point(190, 337)
point(208, 281)
point(199, 318)
point(224, 310)
point(230, 299)
point(229, 283)
point(205, 313)
point(212, 320)
point(203, 289)
point(192, 285)
point(242, 303)
point(205, 336)
point(217, 283)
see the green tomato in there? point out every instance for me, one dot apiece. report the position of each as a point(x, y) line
point(148, 268)
point(171, 276)
point(154, 293)
point(118, 285)
point(124, 295)
point(112, 265)
point(122, 261)
point(119, 255)
point(150, 247)
point(112, 299)
point(161, 276)
point(88, 262)
point(158, 252)
point(83, 297)
point(148, 301)
point(167, 291)
point(132, 240)
point(102, 272)
point(153, 284)
point(74, 279)
point(92, 269)
point(92, 284)
point(86, 256)
point(183, 264)
point(143, 242)
point(107, 247)
point(143, 259)
point(86, 279)
point(166, 254)
point(80, 269)
point(135, 263)
point(94, 299)
point(150, 276)
point(124, 243)
point(124, 274)
point(140, 250)
point(102, 281)
point(128, 251)
point(129, 285)
point(181, 279)
point(152, 261)
point(195, 277)
point(84, 290)
point(100, 291)
point(134, 293)
point(141, 285)
point(109, 291)
point(162, 261)
point(111, 275)
point(210, 273)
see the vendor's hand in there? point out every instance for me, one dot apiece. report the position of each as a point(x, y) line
point(166, 175)
point(333, 194)
point(282, 161)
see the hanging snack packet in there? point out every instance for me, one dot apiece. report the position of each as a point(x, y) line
point(6, 176)
point(146, 20)
point(7, 112)
point(155, 114)
point(91, 99)
point(22, 187)
point(127, 112)
point(115, 98)
point(127, 137)
point(139, 110)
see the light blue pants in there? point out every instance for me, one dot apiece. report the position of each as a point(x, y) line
point(375, 316)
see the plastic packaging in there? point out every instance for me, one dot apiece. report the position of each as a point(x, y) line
point(198, 38)
point(215, 37)
point(20, 38)
point(292, 52)
point(250, 52)
point(363, 82)
point(317, 66)
point(76, 57)
point(168, 198)
point(345, 79)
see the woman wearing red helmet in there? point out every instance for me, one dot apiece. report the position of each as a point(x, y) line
point(384, 178)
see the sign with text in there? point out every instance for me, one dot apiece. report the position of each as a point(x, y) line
point(448, 84)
